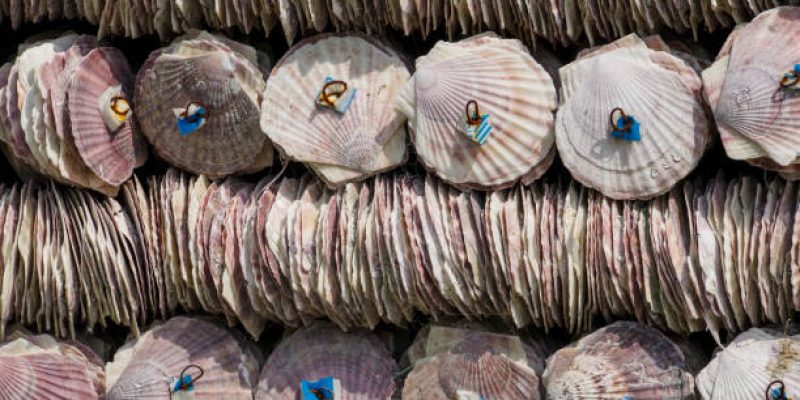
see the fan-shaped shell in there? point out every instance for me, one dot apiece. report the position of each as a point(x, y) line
point(38, 367)
point(202, 70)
point(108, 141)
point(745, 368)
point(660, 91)
point(473, 364)
point(368, 137)
point(622, 359)
point(358, 360)
point(508, 85)
point(755, 115)
point(149, 366)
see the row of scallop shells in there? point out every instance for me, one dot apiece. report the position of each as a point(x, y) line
point(718, 254)
point(563, 22)
point(446, 361)
point(204, 105)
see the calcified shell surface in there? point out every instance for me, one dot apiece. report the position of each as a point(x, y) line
point(459, 362)
point(745, 368)
point(359, 361)
point(150, 364)
point(368, 137)
point(629, 75)
point(508, 85)
point(622, 359)
point(204, 70)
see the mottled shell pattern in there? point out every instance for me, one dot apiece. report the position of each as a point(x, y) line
point(471, 364)
point(483, 75)
point(213, 363)
point(198, 102)
point(366, 135)
point(622, 80)
point(360, 363)
point(754, 101)
point(67, 114)
point(745, 368)
point(40, 367)
point(622, 359)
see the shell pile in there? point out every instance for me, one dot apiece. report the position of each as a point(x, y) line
point(634, 77)
point(621, 360)
point(717, 254)
point(199, 101)
point(492, 78)
point(360, 364)
point(565, 22)
point(157, 364)
point(365, 135)
point(40, 367)
point(65, 113)
point(450, 363)
point(753, 101)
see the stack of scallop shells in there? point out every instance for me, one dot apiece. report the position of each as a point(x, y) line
point(65, 113)
point(716, 254)
point(564, 22)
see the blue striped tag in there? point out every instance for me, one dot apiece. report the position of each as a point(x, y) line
point(480, 133)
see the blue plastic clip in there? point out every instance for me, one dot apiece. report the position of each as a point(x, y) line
point(192, 118)
point(626, 127)
point(317, 390)
point(477, 126)
point(336, 95)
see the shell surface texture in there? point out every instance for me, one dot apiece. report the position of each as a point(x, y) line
point(358, 132)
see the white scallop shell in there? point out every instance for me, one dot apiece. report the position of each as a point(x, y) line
point(508, 85)
point(660, 91)
point(369, 137)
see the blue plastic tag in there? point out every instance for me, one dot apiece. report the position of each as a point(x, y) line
point(797, 69)
point(191, 122)
point(631, 134)
point(315, 390)
point(342, 102)
point(185, 384)
point(479, 133)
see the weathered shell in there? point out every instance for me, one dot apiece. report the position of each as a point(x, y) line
point(369, 137)
point(359, 361)
point(39, 367)
point(755, 115)
point(111, 146)
point(746, 367)
point(622, 359)
point(674, 129)
point(202, 69)
point(461, 363)
point(150, 365)
point(508, 85)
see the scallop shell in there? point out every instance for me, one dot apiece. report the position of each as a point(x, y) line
point(109, 144)
point(39, 367)
point(359, 361)
point(754, 114)
point(622, 359)
point(369, 137)
point(461, 363)
point(508, 85)
point(150, 365)
point(205, 70)
point(674, 129)
point(745, 368)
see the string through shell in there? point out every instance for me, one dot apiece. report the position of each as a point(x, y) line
point(790, 79)
point(474, 117)
point(331, 92)
point(185, 384)
point(614, 125)
point(120, 107)
point(776, 390)
point(194, 111)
